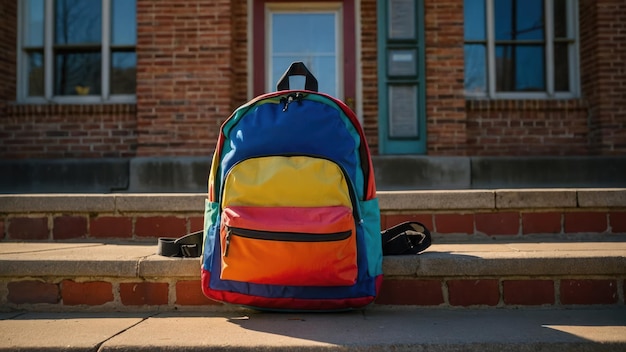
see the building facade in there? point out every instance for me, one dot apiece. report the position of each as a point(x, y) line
point(142, 78)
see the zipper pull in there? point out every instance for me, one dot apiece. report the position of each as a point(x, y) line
point(286, 101)
point(228, 233)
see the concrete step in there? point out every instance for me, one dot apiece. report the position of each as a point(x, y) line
point(373, 329)
point(129, 276)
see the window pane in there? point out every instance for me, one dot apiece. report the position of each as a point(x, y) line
point(474, 12)
point(561, 67)
point(475, 68)
point(403, 107)
point(519, 20)
point(560, 19)
point(402, 19)
point(402, 62)
point(303, 33)
point(520, 68)
point(78, 21)
point(77, 73)
point(124, 26)
point(34, 23)
point(123, 72)
point(35, 74)
point(314, 43)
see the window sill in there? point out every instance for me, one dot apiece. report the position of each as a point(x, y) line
point(32, 108)
point(483, 104)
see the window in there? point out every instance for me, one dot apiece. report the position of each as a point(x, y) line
point(521, 49)
point(77, 51)
point(315, 42)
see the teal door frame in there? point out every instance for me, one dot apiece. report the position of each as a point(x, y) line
point(401, 69)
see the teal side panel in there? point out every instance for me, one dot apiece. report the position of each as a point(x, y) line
point(211, 211)
point(370, 213)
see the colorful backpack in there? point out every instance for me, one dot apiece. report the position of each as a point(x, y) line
point(292, 220)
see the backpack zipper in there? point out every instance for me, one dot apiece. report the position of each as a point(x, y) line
point(283, 236)
point(290, 98)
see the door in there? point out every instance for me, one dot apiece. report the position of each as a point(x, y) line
point(321, 34)
point(401, 78)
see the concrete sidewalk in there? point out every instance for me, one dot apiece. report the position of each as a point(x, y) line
point(373, 329)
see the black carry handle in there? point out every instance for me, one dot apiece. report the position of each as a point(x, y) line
point(297, 69)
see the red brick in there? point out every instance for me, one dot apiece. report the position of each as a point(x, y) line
point(91, 293)
point(28, 229)
point(196, 223)
point(588, 291)
point(617, 220)
point(160, 226)
point(473, 292)
point(411, 292)
point(144, 293)
point(454, 223)
point(32, 291)
point(111, 227)
point(497, 223)
point(577, 222)
point(189, 293)
point(394, 219)
point(528, 292)
point(541, 223)
point(66, 227)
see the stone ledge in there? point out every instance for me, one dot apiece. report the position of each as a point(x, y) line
point(128, 260)
point(389, 200)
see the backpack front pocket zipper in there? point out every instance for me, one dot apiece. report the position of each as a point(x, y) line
point(283, 236)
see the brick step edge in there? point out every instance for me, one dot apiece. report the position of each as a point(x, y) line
point(457, 214)
point(131, 278)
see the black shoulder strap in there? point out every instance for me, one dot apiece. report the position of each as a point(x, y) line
point(409, 237)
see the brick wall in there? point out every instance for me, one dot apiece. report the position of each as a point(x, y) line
point(68, 131)
point(603, 72)
point(445, 101)
point(184, 74)
point(239, 48)
point(8, 38)
point(527, 127)
point(369, 72)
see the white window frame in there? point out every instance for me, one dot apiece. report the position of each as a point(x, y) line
point(309, 8)
point(48, 54)
point(550, 93)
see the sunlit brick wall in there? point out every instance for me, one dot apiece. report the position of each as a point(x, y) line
point(184, 75)
point(445, 103)
point(603, 73)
